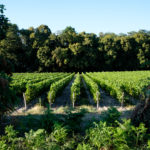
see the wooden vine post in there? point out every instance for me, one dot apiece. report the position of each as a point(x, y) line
point(25, 102)
point(122, 102)
point(97, 99)
point(50, 99)
point(73, 100)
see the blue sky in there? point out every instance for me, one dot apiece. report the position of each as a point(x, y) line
point(92, 16)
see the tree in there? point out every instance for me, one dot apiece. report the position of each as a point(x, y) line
point(68, 36)
point(3, 22)
point(143, 45)
point(44, 53)
point(38, 38)
point(107, 51)
point(38, 49)
point(7, 97)
point(11, 47)
point(44, 56)
point(61, 58)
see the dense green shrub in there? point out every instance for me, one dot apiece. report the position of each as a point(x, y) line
point(84, 146)
point(111, 116)
point(59, 133)
point(7, 97)
point(123, 137)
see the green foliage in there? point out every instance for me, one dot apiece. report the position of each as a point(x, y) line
point(48, 120)
point(59, 133)
point(36, 139)
point(94, 89)
point(60, 57)
point(123, 85)
point(3, 145)
point(148, 146)
point(102, 136)
point(134, 136)
point(38, 49)
point(43, 55)
point(11, 133)
point(75, 88)
point(35, 89)
point(73, 120)
point(8, 98)
point(125, 136)
point(3, 22)
point(11, 47)
point(10, 137)
point(57, 87)
point(111, 116)
point(21, 81)
point(84, 147)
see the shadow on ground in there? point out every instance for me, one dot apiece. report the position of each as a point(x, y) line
point(77, 120)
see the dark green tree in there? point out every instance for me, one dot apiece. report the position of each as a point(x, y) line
point(7, 96)
point(11, 47)
point(3, 22)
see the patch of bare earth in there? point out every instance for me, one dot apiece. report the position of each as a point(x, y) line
point(64, 98)
point(87, 92)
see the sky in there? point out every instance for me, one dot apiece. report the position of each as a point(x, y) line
point(91, 16)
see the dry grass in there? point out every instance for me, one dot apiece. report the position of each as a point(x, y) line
point(60, 110)
point(92, 112)
point(37, 109)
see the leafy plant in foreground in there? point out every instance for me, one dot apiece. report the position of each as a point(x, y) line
point(111, 116)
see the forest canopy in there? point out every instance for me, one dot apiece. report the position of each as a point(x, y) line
point(38, 49)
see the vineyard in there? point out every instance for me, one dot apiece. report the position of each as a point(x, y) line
point(122, 86)
point(78, 111)
point(65, 84)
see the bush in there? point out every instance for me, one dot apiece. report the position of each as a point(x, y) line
point(7, 97)
point(111, 116)
point(59, 133)
point(124, 137)
point(73, 120)
point(84, 147)
point(102, 137)
point(36, 139)
point(48, 120)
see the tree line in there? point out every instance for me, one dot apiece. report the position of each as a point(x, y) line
point(38, 49)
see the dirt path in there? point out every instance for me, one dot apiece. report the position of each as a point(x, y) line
point(64, 98)
point(87, 92)
point(107, 100)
